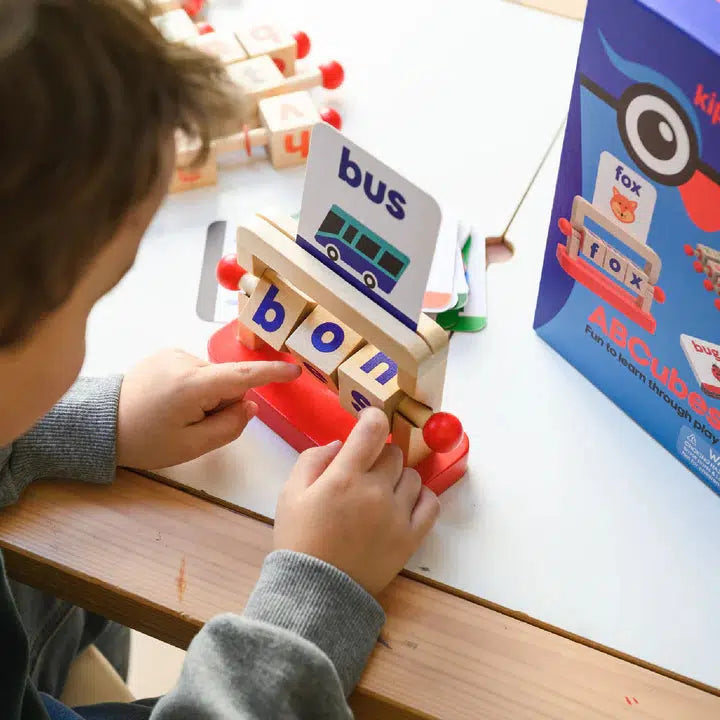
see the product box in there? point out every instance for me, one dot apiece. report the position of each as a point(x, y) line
point(630, 288)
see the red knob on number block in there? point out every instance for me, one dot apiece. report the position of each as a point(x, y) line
point(331, 117)
point(658, 294)
point(707, 282)
point(565, 227)
point(204, 28)
point(332, 74)
point(698, 266)
point(229, 273)
point(442, 432)
point(302, 44)
point(717, 303)
point(689, 250)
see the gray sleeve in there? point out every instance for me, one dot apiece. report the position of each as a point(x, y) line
point(296, 652)
point(76, 439)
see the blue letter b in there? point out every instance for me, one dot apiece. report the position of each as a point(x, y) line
point(268, 304)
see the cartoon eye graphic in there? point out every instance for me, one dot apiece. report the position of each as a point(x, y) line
point(658, 134)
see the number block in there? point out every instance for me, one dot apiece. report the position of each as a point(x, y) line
point(636, 279)
point(222, 45)
point(257, 78)
point(594, 248)
point(275, 309)
point(615, 264)
point(706, 253)
point(289, 119)
point(176, 26)
point(270, 40)
point(369, 377)
point(189, 178)
point(322, 343)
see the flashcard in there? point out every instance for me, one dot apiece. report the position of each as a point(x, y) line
point(439, 293)
point(368, 224)
point(704, 359)
point(624, 196)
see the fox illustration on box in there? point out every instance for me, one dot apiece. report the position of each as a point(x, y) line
point(638, 191)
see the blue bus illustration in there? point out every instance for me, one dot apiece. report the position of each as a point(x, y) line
point(347, 241)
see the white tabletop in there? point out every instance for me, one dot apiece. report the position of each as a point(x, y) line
point(570, 513)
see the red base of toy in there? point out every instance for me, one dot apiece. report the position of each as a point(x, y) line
point(305, 414)
point(605, 288)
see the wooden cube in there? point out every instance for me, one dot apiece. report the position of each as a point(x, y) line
point(176, 25)
point(222, 45)
point(615, 264)
point(270, 40)
point(594, 249)
point(367, 378)
point(257, 78)
point(321, 343)
point(409, 439)
point(189, 178)
point(290, 119)
point(636, 279)
point(246, 336)
point(275, 309)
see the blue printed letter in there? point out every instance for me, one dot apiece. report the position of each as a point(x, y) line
point(338, 336)
point(377, 359)
point(269, 304)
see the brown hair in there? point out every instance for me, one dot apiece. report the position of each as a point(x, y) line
point(89, 92)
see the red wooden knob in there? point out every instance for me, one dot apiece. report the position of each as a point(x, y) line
point(332, 74)
point(717, 303)
point(229, 273)
point(698, 266)
point(331, 117)
point(193, 7)
point(565, 227)
point(442, 432)
point(689, 250)
point(204, 28)
point(302, 44)
point(707, 282)
point(659, 294)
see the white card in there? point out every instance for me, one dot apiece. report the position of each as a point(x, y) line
point(704, 359)
point(440, 294)
point(624, 196)
point(368, 224)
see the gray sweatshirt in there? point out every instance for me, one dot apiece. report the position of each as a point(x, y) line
point(306, 633)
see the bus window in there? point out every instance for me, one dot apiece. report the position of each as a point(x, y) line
point(369, 248)
point(391, 264)
point(332, 224)
point(349, 234)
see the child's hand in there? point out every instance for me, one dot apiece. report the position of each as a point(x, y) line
point(355, 507)
point(175, 407)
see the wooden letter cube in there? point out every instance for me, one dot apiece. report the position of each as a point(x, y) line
point(594, 248)
point(321, 343)
point(176, 25)
point(257, 78)
point(615, 264)
point(369, 377)
point(290, 119)
point(270, 40)
point(275, 309)
point(636, 279)
point(189, 178)
point(223, 46)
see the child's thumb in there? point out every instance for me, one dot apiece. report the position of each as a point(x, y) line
point(313, 463)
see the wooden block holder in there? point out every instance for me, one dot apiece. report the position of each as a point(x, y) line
point(307, 414)
point(700, 267)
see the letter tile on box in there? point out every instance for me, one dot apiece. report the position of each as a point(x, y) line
point(275, 309)
point(369, 377)
point(322, 343)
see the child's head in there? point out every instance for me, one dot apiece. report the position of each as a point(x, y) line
point(91, 97)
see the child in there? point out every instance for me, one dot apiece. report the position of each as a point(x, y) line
point(91, 97)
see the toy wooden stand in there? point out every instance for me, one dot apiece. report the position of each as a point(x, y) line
point(581, 239)
point(274, 108)
point(308, 411)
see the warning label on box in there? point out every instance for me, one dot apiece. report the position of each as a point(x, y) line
point(699, 455)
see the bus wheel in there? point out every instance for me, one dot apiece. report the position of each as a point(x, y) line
point(369, 280)
point(332, 253)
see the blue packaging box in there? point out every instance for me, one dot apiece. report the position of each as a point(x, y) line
point(630, 287)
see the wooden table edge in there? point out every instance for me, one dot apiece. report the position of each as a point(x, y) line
point(44, 545)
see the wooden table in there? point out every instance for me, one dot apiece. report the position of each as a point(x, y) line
point(164, 561)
